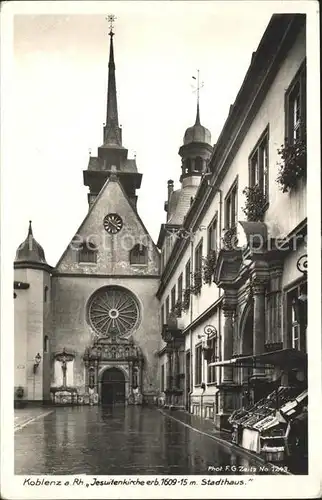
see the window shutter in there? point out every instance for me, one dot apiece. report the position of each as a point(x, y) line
point(303, 101)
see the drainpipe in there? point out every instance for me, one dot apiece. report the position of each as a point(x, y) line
point(217, 190)
point(191, 319)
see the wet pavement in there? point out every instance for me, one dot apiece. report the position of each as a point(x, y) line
point(121, 440)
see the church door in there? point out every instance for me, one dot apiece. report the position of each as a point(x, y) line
point(112, 387)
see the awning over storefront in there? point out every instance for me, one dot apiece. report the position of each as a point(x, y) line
point(291, 358)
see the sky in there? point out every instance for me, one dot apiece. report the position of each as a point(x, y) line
point(58, 99)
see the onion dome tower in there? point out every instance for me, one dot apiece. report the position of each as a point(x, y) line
point(196, 149)
point(195, 154)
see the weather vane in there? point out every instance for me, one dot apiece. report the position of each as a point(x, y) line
point(111, 18)
point(199, 85)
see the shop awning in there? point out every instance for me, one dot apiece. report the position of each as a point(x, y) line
point(291, 358)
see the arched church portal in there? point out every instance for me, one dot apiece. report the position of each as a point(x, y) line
point(113, 386)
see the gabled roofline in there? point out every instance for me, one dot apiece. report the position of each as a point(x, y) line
point(112, 178)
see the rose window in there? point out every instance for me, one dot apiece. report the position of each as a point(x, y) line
point(113, 311)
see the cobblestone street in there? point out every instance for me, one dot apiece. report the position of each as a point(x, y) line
point(122, 440)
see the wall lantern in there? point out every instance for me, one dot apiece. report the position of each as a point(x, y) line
point(209, 331)
point(37, 362)
point(302, 264)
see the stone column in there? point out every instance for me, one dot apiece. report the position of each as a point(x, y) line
point(275, 298)
point(86, 375)
point(228, 344)
point(96, 376)
point(176, 368)
point(259, 323)
point(169, 369)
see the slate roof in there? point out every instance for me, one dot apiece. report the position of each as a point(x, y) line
point(179, 204)
point(30, 250)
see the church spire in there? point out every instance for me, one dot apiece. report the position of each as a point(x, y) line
point(112, 131)
point(197, 90)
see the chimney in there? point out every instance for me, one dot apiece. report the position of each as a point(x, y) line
point(170, 188)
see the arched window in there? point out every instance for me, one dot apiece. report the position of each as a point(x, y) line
point(46, 293)
point(199, 164)
point(46, 343)
point(138, 255)
point(87, 252)
point(187, 166)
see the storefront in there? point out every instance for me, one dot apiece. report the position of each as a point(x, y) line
point(276, 425)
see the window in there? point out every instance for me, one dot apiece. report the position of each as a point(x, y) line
point(198, 164)
point(173, 297)
point(295, 107)
point(198, 365)
point(187, 166)
point(87, 252)
point(162, 378)
point(231, 208)
point(214, 357)
point(167, 309)
point(46, 293)
point(212, 235)
point(162, 315)
point(258, 165)
point(198, 257)
point(46, 343)
point(297, 316)
point(187, 275)
point(180, 279)
point(139, 255)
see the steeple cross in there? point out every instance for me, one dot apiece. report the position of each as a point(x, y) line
point(199, 85)
point(110, 19)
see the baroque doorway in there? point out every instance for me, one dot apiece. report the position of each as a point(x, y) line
point(113, 387)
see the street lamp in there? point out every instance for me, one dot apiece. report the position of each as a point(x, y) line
point(37, 361)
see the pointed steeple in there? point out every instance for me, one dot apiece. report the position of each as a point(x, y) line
point(197, 122)
point(112, 131)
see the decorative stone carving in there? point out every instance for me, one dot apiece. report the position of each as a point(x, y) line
point(112, 351)
point(227, 267)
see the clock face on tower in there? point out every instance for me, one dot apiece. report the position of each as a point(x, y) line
point(112, 223)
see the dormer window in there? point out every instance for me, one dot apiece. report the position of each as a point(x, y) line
point(87, 253)
point(139, 255)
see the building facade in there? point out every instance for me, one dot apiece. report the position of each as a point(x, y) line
point(212, 321)
point(87, 330)
point(233, 288)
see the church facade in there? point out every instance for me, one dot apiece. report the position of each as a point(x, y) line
point(87, 330)
point(212, 321)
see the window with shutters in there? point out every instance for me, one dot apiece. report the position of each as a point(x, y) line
point(198, 257)
point(180, 279)
point(167, 308)
point(173, 297)
point(297, 316)
point(295, 107)
point(212, 235)
point(187, 275)
point(258, 165)
point(231, 207)
point(198, 365)
point(213, 344)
